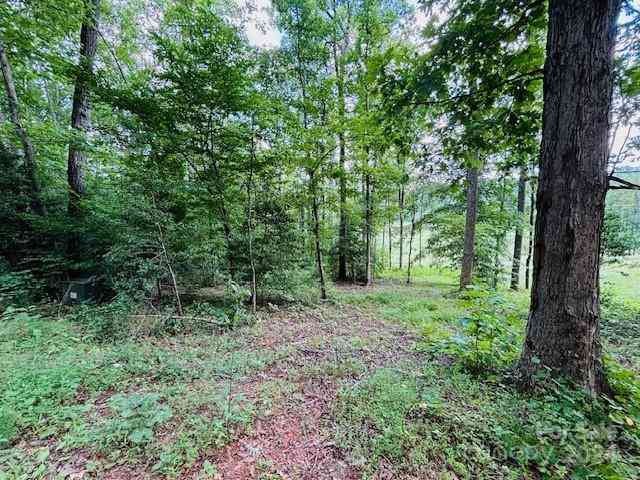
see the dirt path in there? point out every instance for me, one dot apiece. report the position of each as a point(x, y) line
point(324, 346)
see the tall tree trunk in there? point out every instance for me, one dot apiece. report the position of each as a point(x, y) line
point(343, 239)
point(401, 218)
point(563, 332)
point(466, 272)
point(517, 243)
point(76, 162)
point(30, 167)
point(497, 265)
point(368, 220)
point(420, 233)
point(250, 189)
point(532, 206)
point(316, 235)
point(384, 237)
point(411, 235)
point(390, 239)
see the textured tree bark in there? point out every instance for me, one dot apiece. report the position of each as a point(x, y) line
point(517, 243)
point(466, 272)
point(563, 331)
point(77, 159)
point(30, 167)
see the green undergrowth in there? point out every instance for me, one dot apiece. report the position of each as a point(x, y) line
point(620, 328)
point(458, 413)
point(440, 402)
point(159, 402)
point(439, 422)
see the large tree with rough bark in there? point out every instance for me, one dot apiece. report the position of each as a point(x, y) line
point(80, 121)
point(563, 328)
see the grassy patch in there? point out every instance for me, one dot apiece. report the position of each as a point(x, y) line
point(444, 423)
point(622, 278)
point(427, 392)
point(458, 413)
point(160, 402)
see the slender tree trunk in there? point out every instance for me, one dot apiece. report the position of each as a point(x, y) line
point(224, 218)
point(316, 235)
point(384, 237)
point(532, 206)
point(252, 264)
point(401, 218)
point(390, 239)
point(411, 235)
point(368, 219)
point(466, 273)
point(497, 266)
point(420, 234)
point(343, 239)
point(563, 332)
point(80, 121)
point(30, 167)
point(517, 243)
point(174, 280)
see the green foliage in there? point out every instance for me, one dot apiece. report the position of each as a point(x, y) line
point(496, 216)
point(451, 422)
point(8, 425)
point(211, 163)
point(108, 322)
point(380, 405)
point(490, 334)
point(619, 238)
point(463, 415)
point(289, 286)
point(64, 385)
point(229, 314)
point(19, 288)
point(620, 326)
point(20, 314)
point(135, 417)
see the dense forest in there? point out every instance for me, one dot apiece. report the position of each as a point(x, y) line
point(398, 239)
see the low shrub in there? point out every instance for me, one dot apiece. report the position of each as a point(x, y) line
point(19, 289)
point(488, 337)
point(106, 322)
point(289, 286)
point(135, 418)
